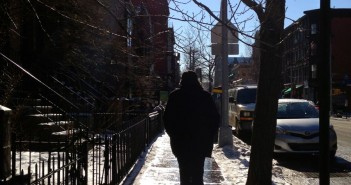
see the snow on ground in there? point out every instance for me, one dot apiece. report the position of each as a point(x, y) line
point(232, 160)
point(234, 163)
point(32, 161)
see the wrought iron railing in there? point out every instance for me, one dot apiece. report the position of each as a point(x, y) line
point(60, 137)
point(104, 158)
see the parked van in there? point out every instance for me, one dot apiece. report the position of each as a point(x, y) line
point(242, 101)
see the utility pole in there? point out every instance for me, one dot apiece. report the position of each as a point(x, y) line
point(324, 77)
point(192, 53)
point(225, 132)
point(190, 58)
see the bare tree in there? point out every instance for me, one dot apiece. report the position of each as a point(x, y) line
point(196, 51)
point(271, 15)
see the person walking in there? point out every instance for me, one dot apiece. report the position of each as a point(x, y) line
point(191, 120)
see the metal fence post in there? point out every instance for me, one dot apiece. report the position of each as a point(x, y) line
point(107, 159)
point(114, 160)
point(5, 144)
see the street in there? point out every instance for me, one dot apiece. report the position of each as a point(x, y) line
point(343, 130)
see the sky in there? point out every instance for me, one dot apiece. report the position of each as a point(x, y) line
point(294, 10)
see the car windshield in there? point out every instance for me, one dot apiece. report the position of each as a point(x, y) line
point(288, 110)
point(246, 96)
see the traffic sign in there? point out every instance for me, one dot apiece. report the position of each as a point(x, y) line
point(216, 33)
point(233, 49)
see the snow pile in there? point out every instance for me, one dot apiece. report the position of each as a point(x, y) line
point(234, 163)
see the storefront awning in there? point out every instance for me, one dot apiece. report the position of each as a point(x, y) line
point(288, 90)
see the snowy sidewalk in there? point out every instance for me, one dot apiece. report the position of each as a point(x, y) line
point(229, 166)
point(160, 167)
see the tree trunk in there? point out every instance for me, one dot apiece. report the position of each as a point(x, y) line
point(269, 85)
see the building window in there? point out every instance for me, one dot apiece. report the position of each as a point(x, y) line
point(313, 29)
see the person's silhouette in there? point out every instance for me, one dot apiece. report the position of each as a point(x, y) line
point(191, 120)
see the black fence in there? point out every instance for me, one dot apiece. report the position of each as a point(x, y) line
point(104, 158)
point(66, 130)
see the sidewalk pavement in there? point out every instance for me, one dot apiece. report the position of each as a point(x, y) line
point(160, 167)
point(229, 166)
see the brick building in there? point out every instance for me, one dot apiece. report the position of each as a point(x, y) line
point(157, 39)
point(301, 53)
point(241, 70)
point(110, 45)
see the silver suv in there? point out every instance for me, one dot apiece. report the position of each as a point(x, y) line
point(242, 101)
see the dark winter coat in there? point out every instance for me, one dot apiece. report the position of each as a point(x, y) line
point(191, 120)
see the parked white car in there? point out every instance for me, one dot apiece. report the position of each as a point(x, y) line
point(297, 128)
point(242, 102)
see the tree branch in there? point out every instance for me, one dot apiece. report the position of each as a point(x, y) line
point(255, 7)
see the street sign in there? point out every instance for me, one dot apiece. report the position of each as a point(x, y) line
point(233, 49)
point(216, 33)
